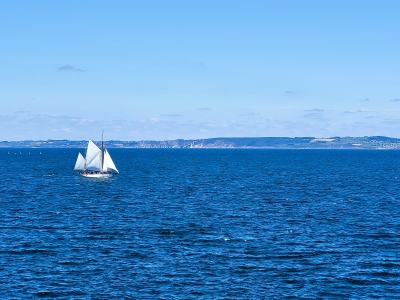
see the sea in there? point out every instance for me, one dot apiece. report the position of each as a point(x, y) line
point(201, 224)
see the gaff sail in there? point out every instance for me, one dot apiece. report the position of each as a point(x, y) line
point(92, 152)
point(95, 164)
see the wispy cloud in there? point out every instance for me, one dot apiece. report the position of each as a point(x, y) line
point(395, 100)
point(248, 114)
point(204, 108)
point(314, 109)
point(8, 118)
point(70, 68)
point(315, 115)
point(171, 115)
point(366, 99)
point(357, 111)
point(288, 92)
point(28, 125)
point(391, 121)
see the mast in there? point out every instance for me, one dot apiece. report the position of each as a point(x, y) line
point(85, 156)
point(102, 150)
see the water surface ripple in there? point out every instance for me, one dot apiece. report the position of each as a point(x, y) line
point(215, 224)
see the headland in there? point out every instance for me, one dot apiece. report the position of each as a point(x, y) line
point(366, 142)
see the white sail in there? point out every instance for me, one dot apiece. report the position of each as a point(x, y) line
point(95, 164)
point(92, 152)
point(108, 163)
point(80, 163)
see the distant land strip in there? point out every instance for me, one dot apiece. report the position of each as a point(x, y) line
point(366, 142)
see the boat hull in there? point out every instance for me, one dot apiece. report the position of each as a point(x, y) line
point(98, 175)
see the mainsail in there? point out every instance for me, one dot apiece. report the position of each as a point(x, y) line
point(92, 152)
point(95, 164)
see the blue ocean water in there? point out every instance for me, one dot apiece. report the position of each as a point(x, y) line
point(204, 224)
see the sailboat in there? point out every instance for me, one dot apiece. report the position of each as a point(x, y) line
point(97, 163)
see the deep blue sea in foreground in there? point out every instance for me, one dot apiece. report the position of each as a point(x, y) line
point(201, 224)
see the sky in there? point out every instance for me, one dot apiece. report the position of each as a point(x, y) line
point(171, 69)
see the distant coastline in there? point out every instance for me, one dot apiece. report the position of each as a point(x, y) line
point(366, 142)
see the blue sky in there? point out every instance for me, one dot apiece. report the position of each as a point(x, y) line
point(198, 69)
